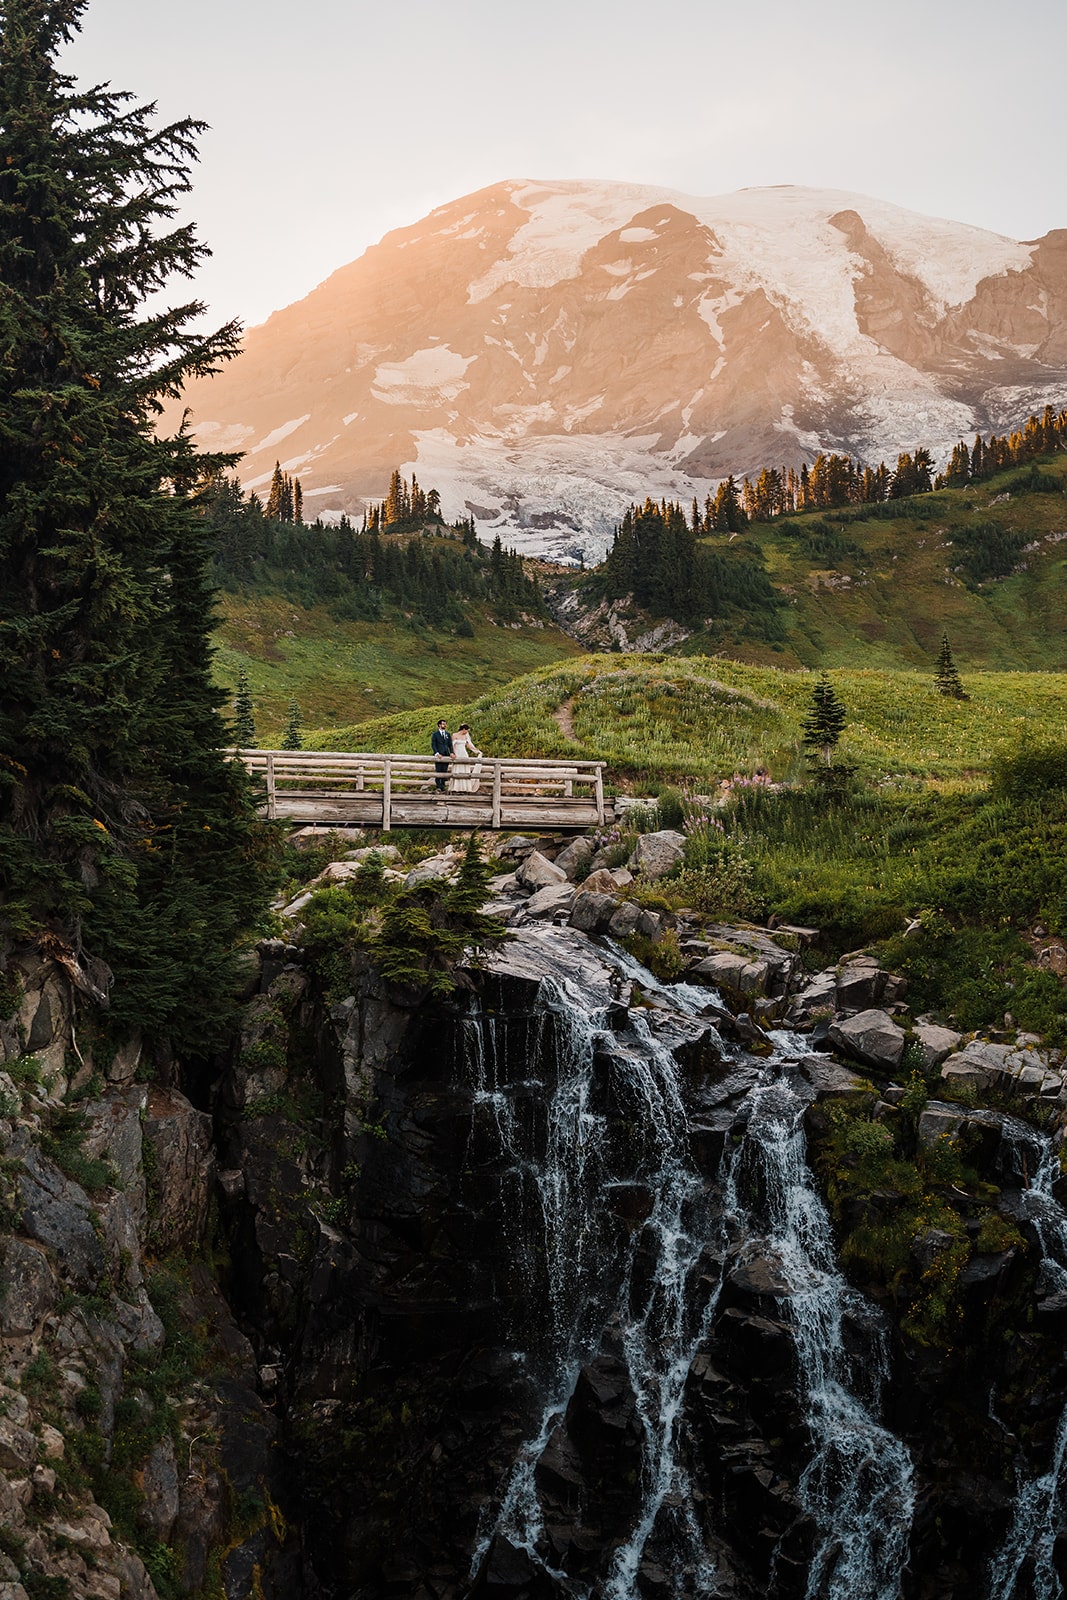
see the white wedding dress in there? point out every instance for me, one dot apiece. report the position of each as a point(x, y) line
point(464, 772)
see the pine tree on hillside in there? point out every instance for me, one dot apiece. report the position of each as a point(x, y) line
point(244, 713)
point(291, 738)
point(275, 506)
point(298, 500)
point(825, 721)
point(946, 679)
point(110, 738)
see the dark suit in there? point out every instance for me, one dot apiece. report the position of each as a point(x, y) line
point(441, 744)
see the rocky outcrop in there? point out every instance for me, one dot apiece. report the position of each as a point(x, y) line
point(134, 1444)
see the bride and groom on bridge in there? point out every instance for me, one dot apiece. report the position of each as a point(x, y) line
point(455, 752)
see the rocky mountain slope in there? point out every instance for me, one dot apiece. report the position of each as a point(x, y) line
point(543, 353)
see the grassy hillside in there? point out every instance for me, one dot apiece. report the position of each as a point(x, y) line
point(341, 671)
point(876, 586)
point(863, 588)
point(662, 718)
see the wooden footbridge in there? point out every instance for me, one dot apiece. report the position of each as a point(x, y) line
point(390, 791)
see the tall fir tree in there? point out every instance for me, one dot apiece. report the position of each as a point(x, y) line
point(126, 836)
point(291, 738)
point(244, 713)
point(825, 721)
point(275, 507)
point(947, 680)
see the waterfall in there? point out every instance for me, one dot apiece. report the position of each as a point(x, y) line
point(1039, 1504)
point(858, 1485)
point(654, 1291)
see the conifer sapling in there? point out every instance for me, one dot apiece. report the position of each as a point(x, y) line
point(946, 678)
point(291, 738)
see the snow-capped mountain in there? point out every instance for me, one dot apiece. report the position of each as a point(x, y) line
point(544, 353)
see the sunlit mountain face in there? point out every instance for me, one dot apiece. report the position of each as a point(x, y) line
point(545, 353)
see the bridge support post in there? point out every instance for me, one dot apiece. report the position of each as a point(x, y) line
point(599, 790)
point(496, 794)
point(387, 797)
point(272, 793)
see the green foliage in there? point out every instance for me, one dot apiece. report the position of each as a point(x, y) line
point(946, 677)
point(124, 830)
point(825, 720)
point(656, 559)
point(986, 551)
point(428, 928)
point(1035, 771)
point(244, 713)
point(415, 936)
point(292, 738)
point(663, 956)
point(904, 1237)
point(62, 1139)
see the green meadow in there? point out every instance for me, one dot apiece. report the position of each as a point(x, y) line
point(694, 719)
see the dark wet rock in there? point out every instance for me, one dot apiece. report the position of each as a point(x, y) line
point(870, 1037)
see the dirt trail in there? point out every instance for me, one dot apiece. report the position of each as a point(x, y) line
point(562, 715)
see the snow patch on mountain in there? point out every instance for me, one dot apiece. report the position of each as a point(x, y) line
point(425, 377)
point(276, 435)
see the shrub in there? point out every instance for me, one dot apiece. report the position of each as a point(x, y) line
point(1034, 771)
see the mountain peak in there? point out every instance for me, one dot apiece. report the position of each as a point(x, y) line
point(545, 351)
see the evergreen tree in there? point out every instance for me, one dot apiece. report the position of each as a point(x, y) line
point(110, 738)
point(244, 713)
point(275, 508)
point(291, 738)
point(946, 678)
point(825, 721)
point(298, 500)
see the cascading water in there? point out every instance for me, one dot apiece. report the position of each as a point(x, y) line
point(1040, 1510)
point(655, 1291)
point(858, 1485)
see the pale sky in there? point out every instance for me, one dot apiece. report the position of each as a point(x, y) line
point(333, 121)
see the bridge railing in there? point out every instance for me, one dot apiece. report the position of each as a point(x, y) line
point(296, 779)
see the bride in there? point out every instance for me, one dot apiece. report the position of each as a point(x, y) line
point(464, 774)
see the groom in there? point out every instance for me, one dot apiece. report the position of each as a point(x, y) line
point(441, 743)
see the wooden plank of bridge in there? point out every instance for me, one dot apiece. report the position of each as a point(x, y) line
point(398, 791)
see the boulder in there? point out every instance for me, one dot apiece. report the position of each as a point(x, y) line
point(871, 1037)
point(830, 1078)
point(547, 901)
point(537, 872)
point(624, 920)
point(859, 984)
point(938, 1122)
point(386, 852)
point(180, 1139)
point(18, 1447)
point(27, 1287)
point(159, 1485)
point(752, 979)
point(574, 856)
point(937, 1043)
point(58, 1214)
point(517, 846)
point(113, 1133)
point(656, 854)
point(819, 994)
point(650, 925)
point(591, 913)
point(723, 969)
point(432, 869)
point(600, 882)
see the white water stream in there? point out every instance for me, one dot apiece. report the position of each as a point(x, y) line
point(857, 1486)
point(1041, 1502)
